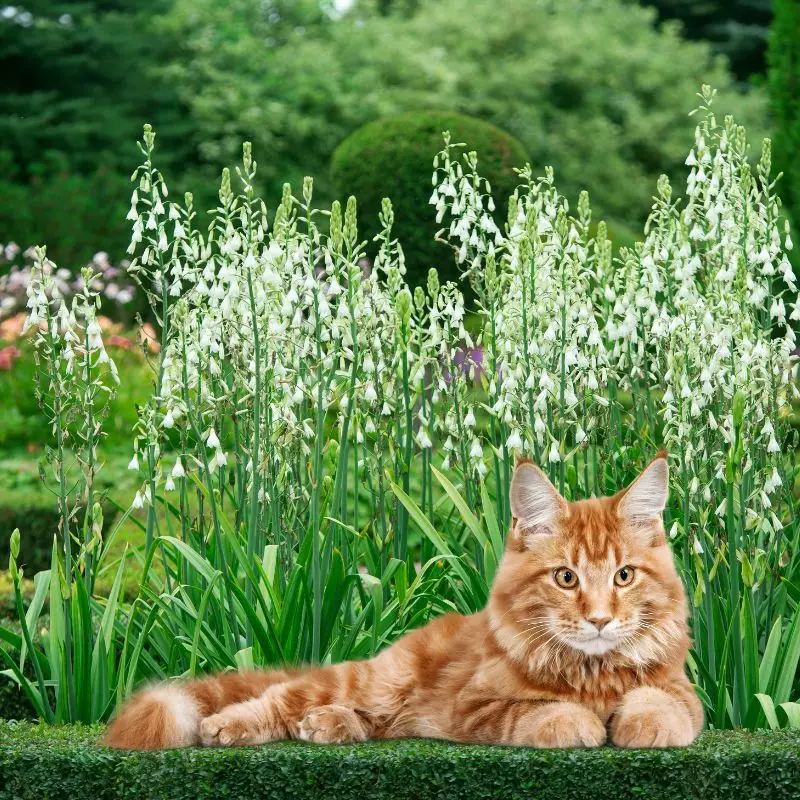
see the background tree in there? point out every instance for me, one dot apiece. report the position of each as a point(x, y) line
point(737, 29)
point(78, 83)
point(597, 89)
point(784, 86)
point(602, 96)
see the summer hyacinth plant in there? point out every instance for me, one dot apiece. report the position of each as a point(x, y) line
point(324, 463)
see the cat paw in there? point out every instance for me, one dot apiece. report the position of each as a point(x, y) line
point(651, 719)
point(562, 725)
point(332, 724)
point(226, 730)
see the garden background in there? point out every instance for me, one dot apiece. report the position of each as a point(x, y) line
point(357, 95)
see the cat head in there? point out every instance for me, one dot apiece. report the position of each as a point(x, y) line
point(589, 579)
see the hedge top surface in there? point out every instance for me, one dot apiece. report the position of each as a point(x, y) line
point(37, 761)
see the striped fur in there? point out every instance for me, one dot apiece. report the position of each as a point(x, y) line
point(527, 670)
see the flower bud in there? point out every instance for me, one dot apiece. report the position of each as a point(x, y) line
point(14, 544)
point(490, 271)
point(403, 310)
point(308, 189)
point(513, 206)
point(584, 209)
point(13, 555)
point(149, 136)
point(225, 193)
point(525, 253)
point(664, 188)
point(336, 225)
point(765, 164)
point(433, 283)
point(738, 409)
point(351, 221)
point(419, 299)
point(387, 213)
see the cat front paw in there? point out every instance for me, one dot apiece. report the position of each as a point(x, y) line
point(226, 729)
point(561, 725)
point(332, 724)
point(651, 718)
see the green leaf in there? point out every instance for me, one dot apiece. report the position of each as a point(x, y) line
point(792, 711)
point(491, 523)
point(466, 573)
point(244, 658)
point(375, 590)
point(333, 594)
point(470, 520)
point(770, 657)
point(201, 616)
point(41, 583)
point(769, 710)
point(788, 664)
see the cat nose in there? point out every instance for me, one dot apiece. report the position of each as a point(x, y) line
point(599, 622)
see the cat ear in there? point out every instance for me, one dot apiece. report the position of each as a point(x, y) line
point(645, 499)
point(535, 503)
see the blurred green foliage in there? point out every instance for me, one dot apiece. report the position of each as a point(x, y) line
point(597, 89)
point(22, 423)
point(592, 88)
point(398, 152)
point(736, 29)
point(39, 518)
point(78, 82)
point(75, 215)
point(784, 85)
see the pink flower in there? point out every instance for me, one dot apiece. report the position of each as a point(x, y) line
point(108, 325)
point(11, 328)
point(120, 341)
point(7, 356)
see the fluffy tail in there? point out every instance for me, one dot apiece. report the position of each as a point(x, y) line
point(168, 716)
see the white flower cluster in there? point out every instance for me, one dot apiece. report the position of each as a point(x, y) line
point(544, 356)
point(720, 281)
point(698, 312)
point(277, 338)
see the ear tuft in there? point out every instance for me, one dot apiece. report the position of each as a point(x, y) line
point(646, 498)
point(535, 503)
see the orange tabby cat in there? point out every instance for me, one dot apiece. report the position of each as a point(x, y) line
point(584, 638)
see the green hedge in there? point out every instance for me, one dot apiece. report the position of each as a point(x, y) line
point(39, 762)
point(14, 703)
point(38, 523)
point(394, 156)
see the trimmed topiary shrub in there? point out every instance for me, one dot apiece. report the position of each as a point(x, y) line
point(37, 761)
point(394, 156)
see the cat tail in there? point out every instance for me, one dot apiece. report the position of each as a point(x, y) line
point(167, 716)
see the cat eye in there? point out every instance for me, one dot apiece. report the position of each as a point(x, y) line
point(565, 578)
point(624, 576)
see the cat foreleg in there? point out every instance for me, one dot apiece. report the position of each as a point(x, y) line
point(657, 717)
point(533, 723)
